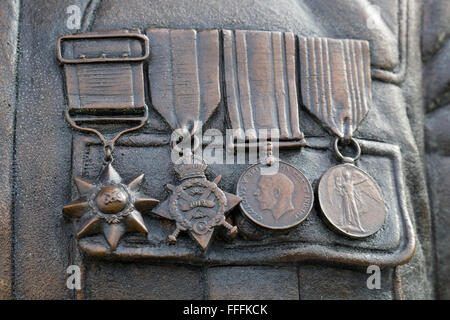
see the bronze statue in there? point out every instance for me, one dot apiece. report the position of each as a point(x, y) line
point(336, 78)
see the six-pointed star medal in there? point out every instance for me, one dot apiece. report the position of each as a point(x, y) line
point(197, 205)
point(110, 207)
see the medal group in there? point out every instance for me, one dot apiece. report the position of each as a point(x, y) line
point(187, 72)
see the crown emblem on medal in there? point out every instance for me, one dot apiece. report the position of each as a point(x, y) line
point(190, 170)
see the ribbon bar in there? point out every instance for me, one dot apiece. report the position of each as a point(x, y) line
point(336, 83)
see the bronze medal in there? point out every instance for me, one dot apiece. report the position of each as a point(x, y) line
point(185, 84)
point(110, 207)
point(351, 201)
point(340, 96)
point(261, 88)
point(197, 205)
point(107, 206)
point(275, 201)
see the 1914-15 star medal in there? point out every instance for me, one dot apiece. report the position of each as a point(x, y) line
point(197, 205)
point(110, 207)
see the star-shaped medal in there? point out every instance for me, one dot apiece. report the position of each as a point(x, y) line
point(197, 205)
point(110, 207)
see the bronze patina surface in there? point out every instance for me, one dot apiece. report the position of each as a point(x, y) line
point(277, 200)
point(261, 85)
point(111, 199)
point(109, 207)
point(337, 90)
point(351, 201)
point(336, 82)
point(197, 205)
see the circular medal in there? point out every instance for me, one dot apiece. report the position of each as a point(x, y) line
point(275, 197)
point(351, 201)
